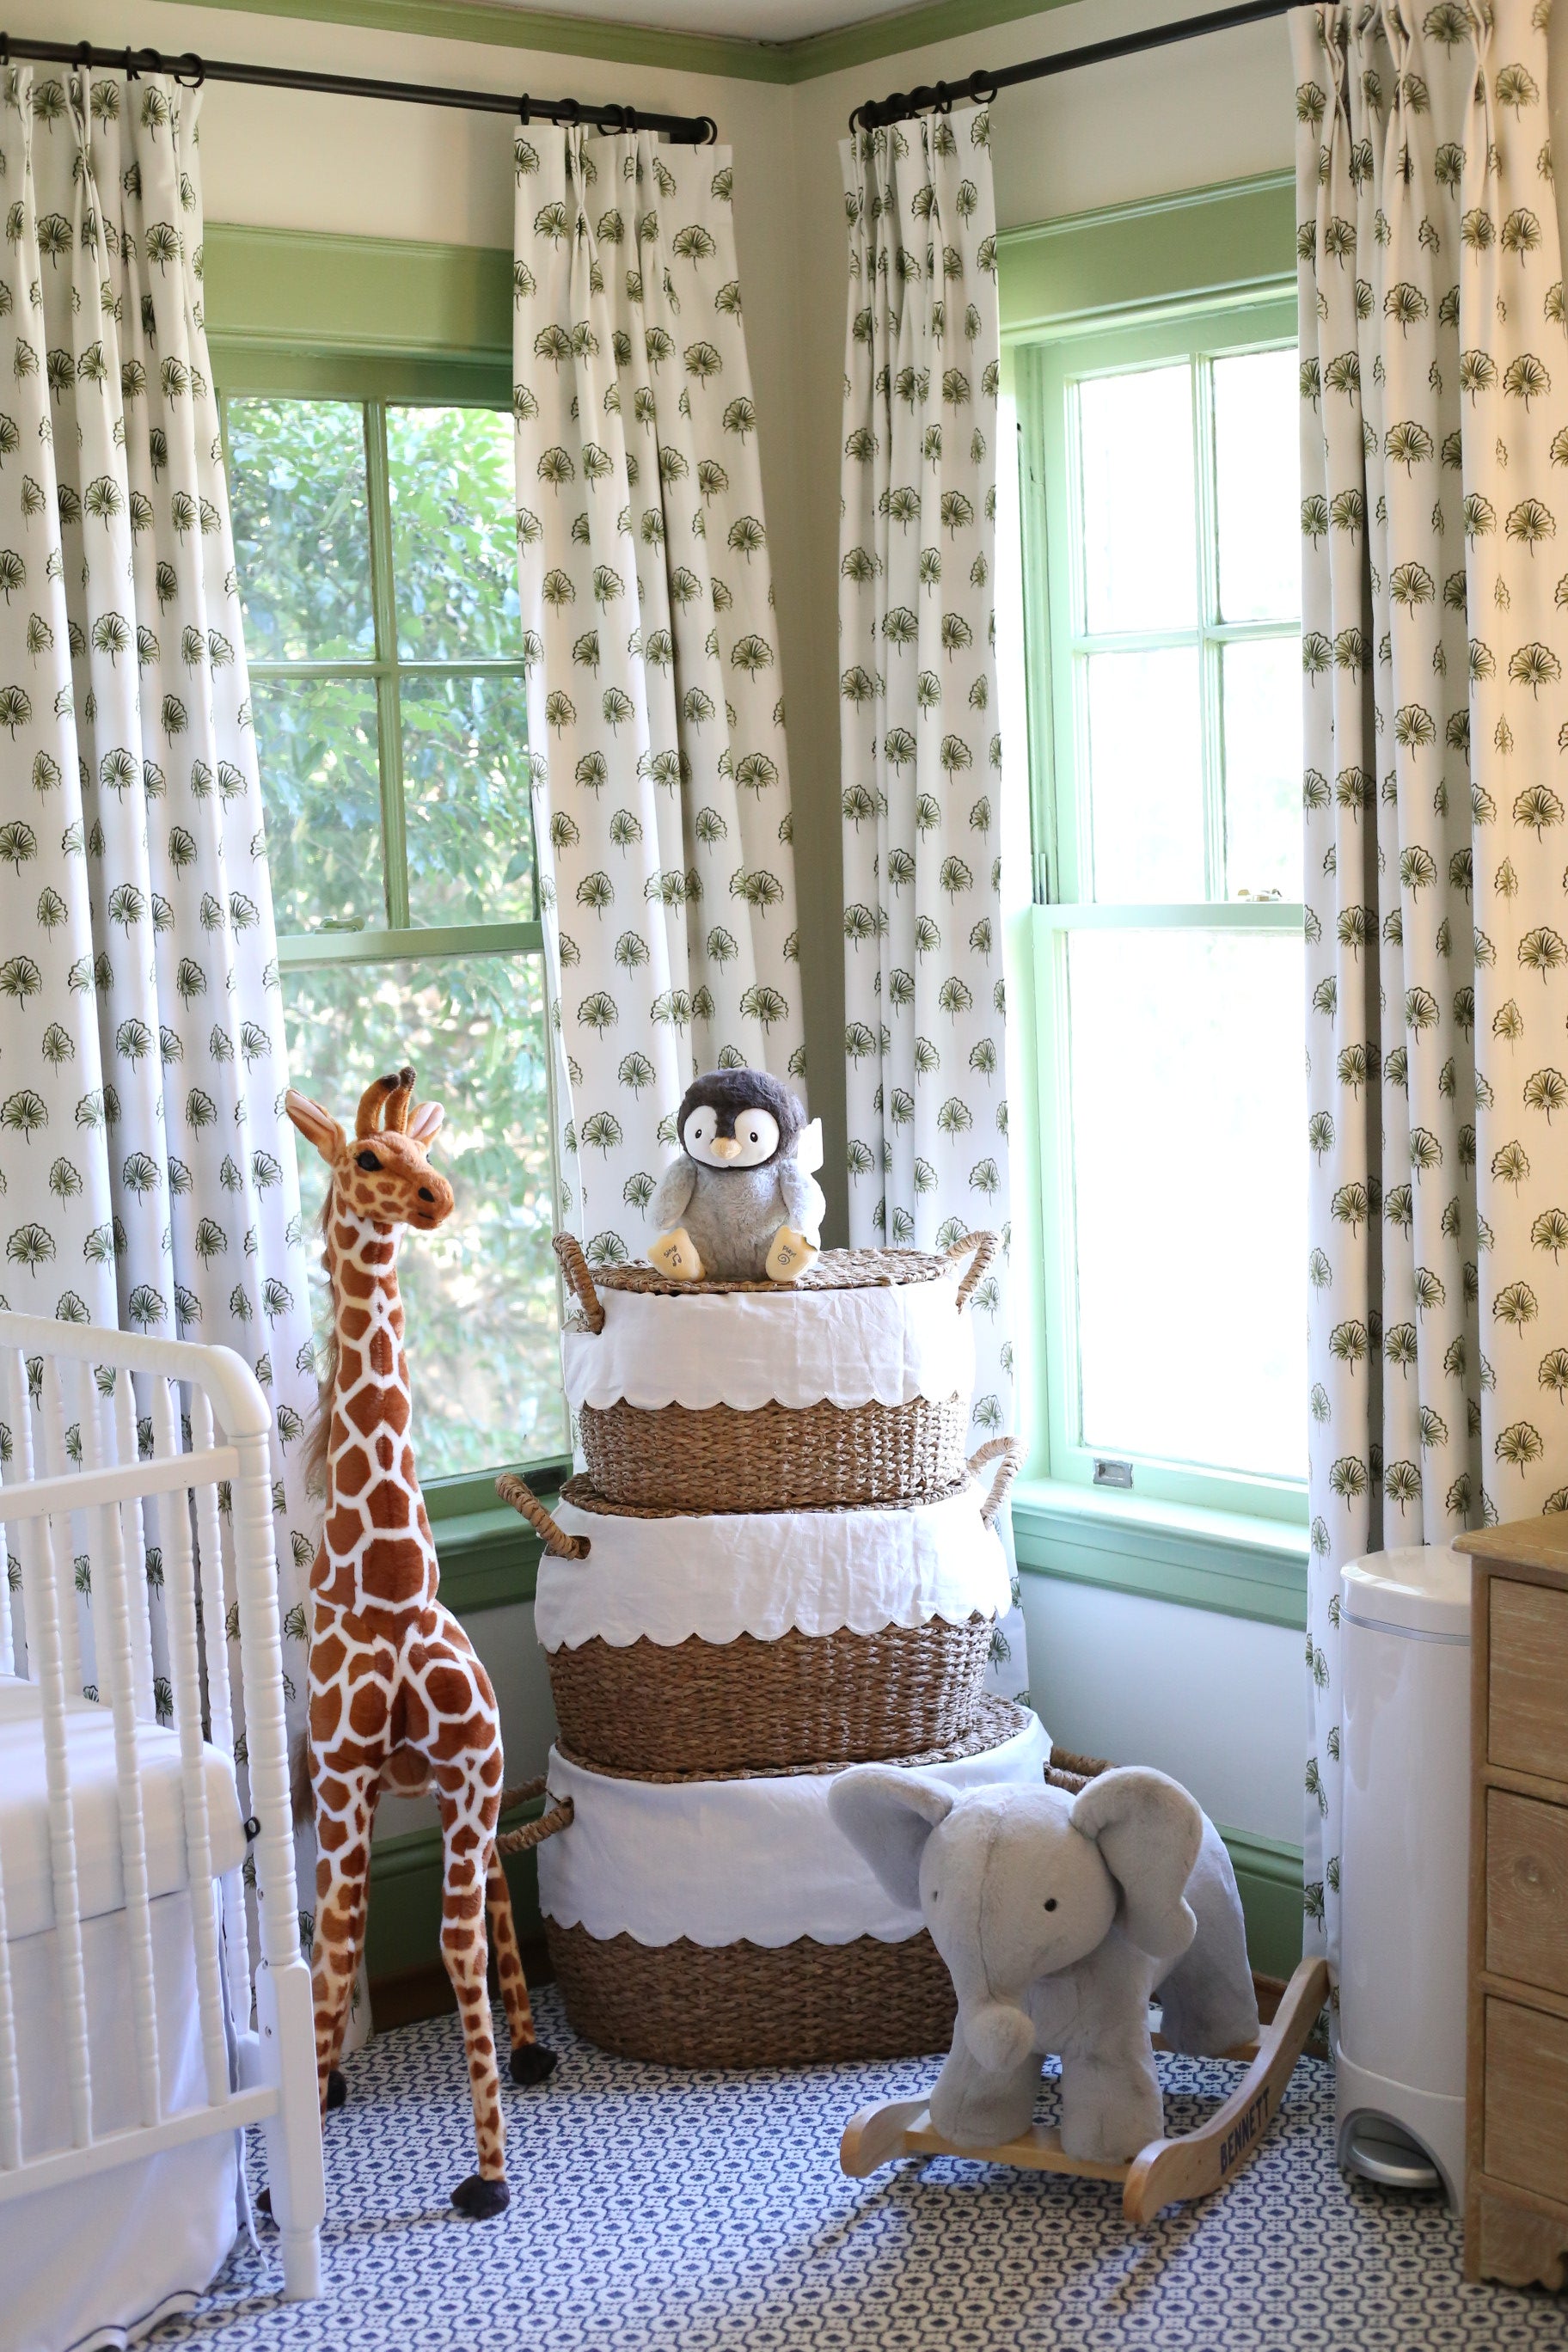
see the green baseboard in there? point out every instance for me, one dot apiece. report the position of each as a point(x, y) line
point(404, 1930)
point(1268, 1880)
point(405, 1925)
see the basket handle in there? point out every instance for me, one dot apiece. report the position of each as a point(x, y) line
point(579, 1281)
point(1008, 1452)
point(552, 1820)
point(985, 1248)
point(522, 1499)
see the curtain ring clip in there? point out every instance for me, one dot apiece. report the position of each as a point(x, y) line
point(131, 70)
point(523, 114)
point(568, 113)
point(189, 64)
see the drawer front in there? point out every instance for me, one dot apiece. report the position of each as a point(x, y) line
point(1527, 1890)
point(1526, 2119)
point(1527, 1728)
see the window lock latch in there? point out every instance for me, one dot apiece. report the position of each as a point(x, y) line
point(1111, 1473)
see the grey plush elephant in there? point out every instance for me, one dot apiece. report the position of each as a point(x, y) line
point(1059, 1917)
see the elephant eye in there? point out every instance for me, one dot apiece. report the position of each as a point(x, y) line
point(1050, 1902)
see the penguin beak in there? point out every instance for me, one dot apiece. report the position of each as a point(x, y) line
point(725, 1147)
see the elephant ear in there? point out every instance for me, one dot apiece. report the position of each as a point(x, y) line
point(1147, 1830)
point(887, 1817)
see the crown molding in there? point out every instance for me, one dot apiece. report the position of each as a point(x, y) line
point(721, 54)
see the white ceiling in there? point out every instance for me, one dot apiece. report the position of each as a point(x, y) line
point(747, 20)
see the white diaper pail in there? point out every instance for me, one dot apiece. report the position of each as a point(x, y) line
point(1405, 1632)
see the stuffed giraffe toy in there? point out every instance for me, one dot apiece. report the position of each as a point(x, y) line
point(399, 1701)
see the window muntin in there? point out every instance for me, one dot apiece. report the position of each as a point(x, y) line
point(389, 692)
point(1165, 683)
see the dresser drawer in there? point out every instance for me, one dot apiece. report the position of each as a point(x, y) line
point(1526, 2108)
point(1527, 1728)
point(1527, 1890)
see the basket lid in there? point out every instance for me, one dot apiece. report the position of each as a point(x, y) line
point(835, 1269)
point(1416, 1589)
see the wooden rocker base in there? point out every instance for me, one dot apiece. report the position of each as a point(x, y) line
point(1168, 2171)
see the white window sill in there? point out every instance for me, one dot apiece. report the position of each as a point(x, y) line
point(1234, 1562)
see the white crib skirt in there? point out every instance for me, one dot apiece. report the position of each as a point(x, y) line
point(98, 2262)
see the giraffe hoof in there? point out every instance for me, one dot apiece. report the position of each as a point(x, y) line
point(480, 2198)
point(532, 2063)
point(337, 2090)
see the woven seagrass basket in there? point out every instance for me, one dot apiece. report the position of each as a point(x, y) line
point(756, 1706)
point(743, 2004)
point(775, 1457)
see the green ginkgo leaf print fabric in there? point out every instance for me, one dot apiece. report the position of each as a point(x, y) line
point(919, 742)
point(655, 698)
point(147, 1176)
point(1435, 523)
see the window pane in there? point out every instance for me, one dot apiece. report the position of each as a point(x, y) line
point(480, 1292)
point(301, 537)
point(466, 798)
point(1262, 687)
point(316, 741)
point(1257, 464)
point(1189, 1182)
point(454, 553)
point(1145, 762)
point(1138, 538)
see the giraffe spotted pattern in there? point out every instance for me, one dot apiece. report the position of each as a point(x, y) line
point(398, 1700)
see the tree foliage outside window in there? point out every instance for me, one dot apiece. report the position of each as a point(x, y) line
point(373, 544)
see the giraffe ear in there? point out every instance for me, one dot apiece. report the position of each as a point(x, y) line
point(316, 1124)
point(427, 1122)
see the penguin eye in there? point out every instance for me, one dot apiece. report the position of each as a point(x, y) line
point(755, 1136)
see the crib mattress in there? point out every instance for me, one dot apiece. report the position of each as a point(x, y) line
point(25, 1857)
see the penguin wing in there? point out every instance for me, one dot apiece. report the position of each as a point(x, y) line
point(673, 1198)
point(802, 1196)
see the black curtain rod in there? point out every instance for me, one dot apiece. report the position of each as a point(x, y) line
point(877, 115)
point(681, 129)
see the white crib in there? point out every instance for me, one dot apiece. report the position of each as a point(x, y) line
point(126, 2031)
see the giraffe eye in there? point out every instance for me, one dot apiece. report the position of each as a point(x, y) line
point(366, 1159)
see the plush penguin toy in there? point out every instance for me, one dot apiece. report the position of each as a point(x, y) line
point(741, 1202)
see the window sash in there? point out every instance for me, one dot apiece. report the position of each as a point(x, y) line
point(469, 1492)
point(1058, 645)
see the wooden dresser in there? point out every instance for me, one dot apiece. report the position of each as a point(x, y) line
point(1516, 2167)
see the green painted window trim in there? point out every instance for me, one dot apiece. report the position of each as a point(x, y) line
point(1137, 278)
point(721, 54)
point(1269, 1879)
point(1226, 243)
point(296, 312)
point(1237, 1564)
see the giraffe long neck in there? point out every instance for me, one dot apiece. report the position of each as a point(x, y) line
point(378, 1554)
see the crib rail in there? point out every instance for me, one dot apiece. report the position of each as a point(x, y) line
point(138, 1474)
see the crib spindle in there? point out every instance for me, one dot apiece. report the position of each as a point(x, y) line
point(56, 1464)
point(134, 1536)
point(184, 1660)
point(220, 1706)
point(116, 1669)
point(46, 1664)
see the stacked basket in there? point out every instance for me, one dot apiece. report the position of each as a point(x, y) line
point(777, 1564)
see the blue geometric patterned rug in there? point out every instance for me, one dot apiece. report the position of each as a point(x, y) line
point(658, 2211)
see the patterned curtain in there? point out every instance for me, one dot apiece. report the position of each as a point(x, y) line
point(146, 1178)
point(655, 707)
point(1435, 432)
point(920, 752)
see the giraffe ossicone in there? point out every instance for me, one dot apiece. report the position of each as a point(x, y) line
point(399, 1701)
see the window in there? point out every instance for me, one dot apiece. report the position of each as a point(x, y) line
point(373, 544)
point(1161, 476)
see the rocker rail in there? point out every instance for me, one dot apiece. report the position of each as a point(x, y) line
point(1168, 2171)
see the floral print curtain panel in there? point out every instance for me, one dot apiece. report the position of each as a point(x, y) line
point(656, 704)
point(920, 747)
point(146, 1177)
point(1435, 435)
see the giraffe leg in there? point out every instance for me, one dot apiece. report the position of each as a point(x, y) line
point(484, 2192)
point(343, 1884)
point(529, 2062)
